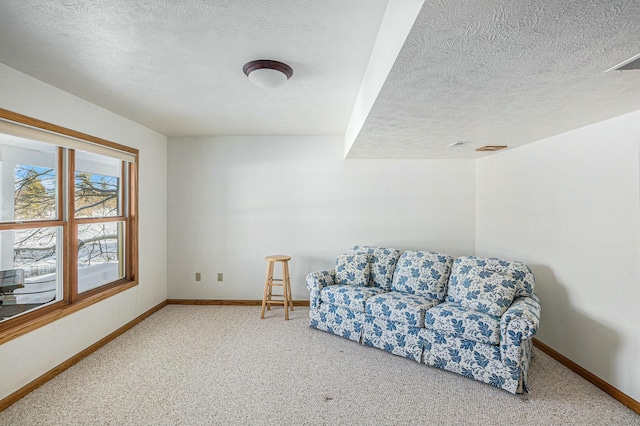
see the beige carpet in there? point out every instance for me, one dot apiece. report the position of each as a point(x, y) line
point(200, 365)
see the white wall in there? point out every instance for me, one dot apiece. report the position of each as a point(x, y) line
point(38, 352)
point(234, 200)
point(569, 206)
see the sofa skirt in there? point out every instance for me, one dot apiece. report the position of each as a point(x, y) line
point(396, 338)
point(479, 361)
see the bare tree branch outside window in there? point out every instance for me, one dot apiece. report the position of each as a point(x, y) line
point(35, 199)
point(97, 195)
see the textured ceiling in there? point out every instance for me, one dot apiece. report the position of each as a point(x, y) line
point(499, 72)
point(176, 66)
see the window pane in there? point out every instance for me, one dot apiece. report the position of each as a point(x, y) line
point(100, 254)
point(97, 185)
point(31, 275)
point(27, 180)
point(35, 193)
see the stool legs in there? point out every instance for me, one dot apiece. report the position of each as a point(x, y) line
point(270, 282)
point(287, 285)
point(268, 285)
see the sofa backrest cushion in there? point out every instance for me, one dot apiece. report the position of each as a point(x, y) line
point(424, 273)
point(482, 290)
point(383, 264)
point(353, 269)
point(525, 281)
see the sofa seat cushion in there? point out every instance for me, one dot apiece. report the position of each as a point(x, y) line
point(400, 307)
point(451, 318)
point(383, 264)
point(353, 269)
point(348, 296)
point(482, 290)
point(422, 273)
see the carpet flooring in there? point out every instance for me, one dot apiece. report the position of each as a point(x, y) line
point(222, 365)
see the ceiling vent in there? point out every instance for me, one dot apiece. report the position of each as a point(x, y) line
point(491, 148)
point(630, 64)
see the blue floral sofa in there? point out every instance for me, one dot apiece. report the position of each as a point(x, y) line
point(473, 316)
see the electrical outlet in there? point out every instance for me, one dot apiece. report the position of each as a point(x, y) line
point(198, 276)
point(220, 276)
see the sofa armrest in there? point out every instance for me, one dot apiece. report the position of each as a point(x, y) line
point(316, 281)
point(521, 321)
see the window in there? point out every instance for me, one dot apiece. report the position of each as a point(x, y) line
point(68, 222)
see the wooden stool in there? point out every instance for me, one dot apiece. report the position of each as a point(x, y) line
point(269, 283)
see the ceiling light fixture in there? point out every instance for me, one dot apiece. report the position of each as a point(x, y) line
point(267, 74)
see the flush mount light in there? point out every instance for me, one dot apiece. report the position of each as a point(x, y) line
point(267, 74)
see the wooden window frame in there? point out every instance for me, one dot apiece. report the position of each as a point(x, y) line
point(72, 301)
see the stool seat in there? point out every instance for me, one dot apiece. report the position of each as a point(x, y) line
point(284, 282)
point(277, 258)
